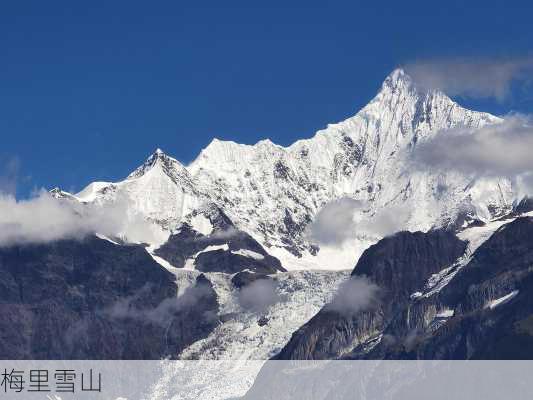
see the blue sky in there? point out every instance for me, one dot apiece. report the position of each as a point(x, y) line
point(90, 89)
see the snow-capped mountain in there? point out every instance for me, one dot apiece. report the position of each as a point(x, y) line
point(214, 285)
point(273, 193)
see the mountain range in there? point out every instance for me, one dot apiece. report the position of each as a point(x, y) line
point(337, 246)
point(274, 193)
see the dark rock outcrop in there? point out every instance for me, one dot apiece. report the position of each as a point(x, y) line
point(186, 243)
point(398, 265)
point(525, 205)
point(480, 328)
point(244, 278)
point(92, 299)
point(230, 263)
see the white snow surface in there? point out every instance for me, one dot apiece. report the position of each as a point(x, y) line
point(249, 254)
point(447, 313)
point(301, 295)
point(239, 345)
point(501, 300)
point(272, 192)
point(201, 224)
point(104, 237)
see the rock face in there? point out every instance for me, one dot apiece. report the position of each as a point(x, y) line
point(92, 299)
point(485, 311)
point(226, 250)
point(492, 303)
point(398, 265)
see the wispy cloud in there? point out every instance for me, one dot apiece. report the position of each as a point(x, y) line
point(498, 150)
point(9, 171)
point(342, 220)
point(355, 295)
point(334, 223)
point(384, 222)
point(471, 77)
point(258, 295)
point(128, 307)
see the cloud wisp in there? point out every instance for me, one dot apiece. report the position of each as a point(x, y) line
point(258, 295)
point(129, 307)
point(8, 178)
point(355, 295)
point(334, 223)
point(470, 77)
point(384, 222)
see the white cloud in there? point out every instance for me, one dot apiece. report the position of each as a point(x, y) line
point(334, 223)
point(258, 295)
point(43, 219)
point(354, 295)
point(164, 311)
point(495, 150)
point(384, 222)
point(478, 78)
point(342, 220)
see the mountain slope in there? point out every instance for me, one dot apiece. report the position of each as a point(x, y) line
point(92, 299)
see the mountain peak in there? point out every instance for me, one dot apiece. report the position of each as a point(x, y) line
point(398, 75)
point(397, 80)
point(157, 157)
point(158, 154)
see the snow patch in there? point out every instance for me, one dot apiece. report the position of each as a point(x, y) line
point(446, 313)
point(189, 263)
point(200, 223)
point(161, 261)
point(249, 254)
point(104, 237)
point(214, 247)
point(501, 300)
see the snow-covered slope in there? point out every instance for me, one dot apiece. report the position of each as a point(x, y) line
point(274, 192)
point(242, 335)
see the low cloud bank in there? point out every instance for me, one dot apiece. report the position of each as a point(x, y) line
point(471, 77)
point(43, 218)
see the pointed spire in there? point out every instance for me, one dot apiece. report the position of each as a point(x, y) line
point(398, 80)
point(157, 157)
